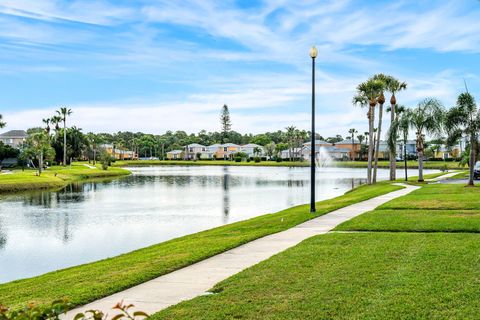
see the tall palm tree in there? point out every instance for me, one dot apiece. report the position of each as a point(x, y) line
point(352, 132)
point(367, 93)
point(290, 135)
point(381, 78)
point(464, 118)
point(400, 126)
point(426, 118)
point(47, 125)
point(64, 113)
point(393, 86)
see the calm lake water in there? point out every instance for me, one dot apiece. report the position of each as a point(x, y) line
point(46, 231)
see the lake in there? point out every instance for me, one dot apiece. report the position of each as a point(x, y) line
point(49, 230)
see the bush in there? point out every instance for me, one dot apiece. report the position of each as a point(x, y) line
point(105, 160)
point(248, 159)
point(278, 159)
point(238, 159)
point(257, 159)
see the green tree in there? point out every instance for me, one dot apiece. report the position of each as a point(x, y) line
point(2, 124)
point(464, 118)
point(225, 122)
point(360, 139)
point(270, 150)
point(393, 86)
point(64, 113)
point(426, 118)
point(352, 132)
point(367, 93)
point(261, 139)
point(38, 146)
point(382, 79)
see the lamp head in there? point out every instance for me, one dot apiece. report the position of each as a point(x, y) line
point(313, 52)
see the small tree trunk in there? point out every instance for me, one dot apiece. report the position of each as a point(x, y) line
point(472, 159)
point(393, 153)
point(371, 115)
point(64, 142)
point(377, 144)
point(420, 165)
point(40, 163)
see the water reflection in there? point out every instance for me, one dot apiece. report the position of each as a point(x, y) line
point(45, 231)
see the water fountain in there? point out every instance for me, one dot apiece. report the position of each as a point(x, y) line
point(322, 158)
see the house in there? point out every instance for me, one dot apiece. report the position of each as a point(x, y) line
point(175, 154)
point(13, 138)
point(326, 153)
point(226, 150)
point(193, 150)
point(318, 144)
point(353, 147)
point(250, 148)
point(118, 153)
point(443, 152)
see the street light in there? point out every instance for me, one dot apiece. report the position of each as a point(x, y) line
point(313, 55)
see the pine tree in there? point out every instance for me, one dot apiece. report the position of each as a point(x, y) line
point(225, 122)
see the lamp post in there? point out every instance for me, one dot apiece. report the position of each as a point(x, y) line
point(313, 55)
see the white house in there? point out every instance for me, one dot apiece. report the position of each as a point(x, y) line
point(249, 149)
point(193, 149)
point(13, 138)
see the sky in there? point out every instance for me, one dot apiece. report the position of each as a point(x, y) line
point(158, 65)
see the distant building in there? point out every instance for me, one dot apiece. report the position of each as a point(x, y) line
point(118, 153)
point(249, 149)
point(14, 138)
point(353, 147)
point(175, 155)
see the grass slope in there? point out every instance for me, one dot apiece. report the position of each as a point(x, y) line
point(352, 276)
point(54, 177)
point(85, 283)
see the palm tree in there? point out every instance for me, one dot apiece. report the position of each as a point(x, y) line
point(464, 118)
point(400, 125)
point(367, 93)
point(426, 118)
point(352, 132)
point(2, 124)
point(64, 113)
point(393, 86)
point(257, 151)
point(290, 135)
point(381, 78)
point(360, 139)
point(55, 120)
point(47, 125)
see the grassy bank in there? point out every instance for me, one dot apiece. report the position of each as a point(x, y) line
point(352, 276)
point(54, 177)
point(426, 268)
point(85, 283)
point(342, 164)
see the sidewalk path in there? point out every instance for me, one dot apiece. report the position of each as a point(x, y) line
point(444, 176)
point(195, 280)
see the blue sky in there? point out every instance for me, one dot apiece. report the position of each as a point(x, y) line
point(155, 65)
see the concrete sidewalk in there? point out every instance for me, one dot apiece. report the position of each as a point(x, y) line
point(195, 280)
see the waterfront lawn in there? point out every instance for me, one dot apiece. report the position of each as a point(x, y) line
point(437, 207)
point(85, 283)
point(54, 177)
point(352, 276)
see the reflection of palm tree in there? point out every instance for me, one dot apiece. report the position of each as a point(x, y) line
point(3, 237)
point(226, 194)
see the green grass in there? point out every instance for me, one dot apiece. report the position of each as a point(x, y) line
point(85, 283)
point(54, 177)
point(433, 208)
point(460, 175)
point(352, 276)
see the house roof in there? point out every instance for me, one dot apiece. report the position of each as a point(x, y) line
point(318, 142)
point(195, 145)
point(229, 145)
point(252, 145)
point(348, 141)
point(175, 152)
point(14, 134)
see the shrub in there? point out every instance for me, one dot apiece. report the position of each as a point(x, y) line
point(238, 159)
point(248, 159)
point(257, 159)
point(278, 159)
point(105, 160)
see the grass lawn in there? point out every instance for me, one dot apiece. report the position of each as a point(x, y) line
point(54, 177)
point(433, 208)
point(85, 283)
point(352, 276)
point(427, 268)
